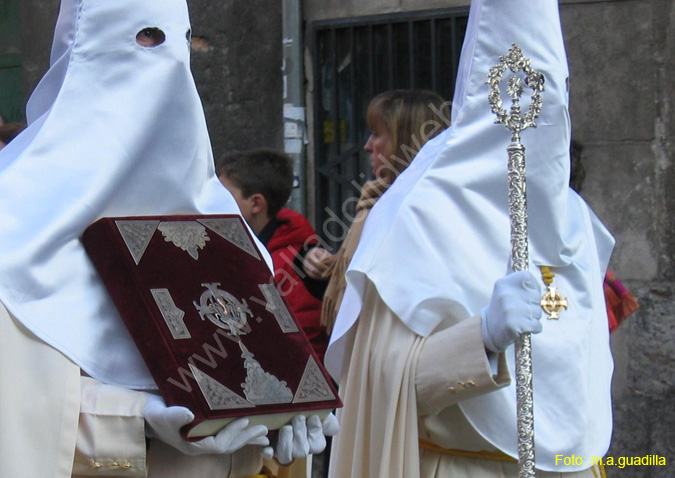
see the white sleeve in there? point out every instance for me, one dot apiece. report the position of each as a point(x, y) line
point(111, 432)
point(453, 366)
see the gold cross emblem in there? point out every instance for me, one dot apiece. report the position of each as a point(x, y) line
point(553, 303)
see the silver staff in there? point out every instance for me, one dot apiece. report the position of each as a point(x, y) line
point(516, 122)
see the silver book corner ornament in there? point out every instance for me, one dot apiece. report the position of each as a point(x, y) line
point(136, 235)
point(523, 75)
point(232, 230)
point(189, 236)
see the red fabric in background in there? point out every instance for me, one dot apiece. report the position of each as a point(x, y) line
point(293, 232)
point(620, 302)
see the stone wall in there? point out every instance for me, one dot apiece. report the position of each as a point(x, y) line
point(37, 18)
point(621, 68)
point(644, 392)
point(323, 10)
point(236, 61)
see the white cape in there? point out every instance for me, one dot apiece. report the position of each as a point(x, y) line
point(115, 129)
point(439, 238)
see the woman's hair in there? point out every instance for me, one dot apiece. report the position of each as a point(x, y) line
point(411, 118)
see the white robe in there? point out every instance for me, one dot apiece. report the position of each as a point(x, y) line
point(398, 386)
point(62, 424)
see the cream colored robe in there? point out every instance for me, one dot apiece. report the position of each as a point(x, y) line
point(56, 424)
point(398, 386)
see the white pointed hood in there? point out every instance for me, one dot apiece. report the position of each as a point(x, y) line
point(115, 129)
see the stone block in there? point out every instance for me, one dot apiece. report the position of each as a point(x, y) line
point(612, 68)
point(644, 423)
point(38, 19)
point(624, 172)
point(236, 62)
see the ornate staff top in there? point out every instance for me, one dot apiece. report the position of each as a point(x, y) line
point(514, 121)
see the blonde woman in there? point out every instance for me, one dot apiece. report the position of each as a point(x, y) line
point(401, 122)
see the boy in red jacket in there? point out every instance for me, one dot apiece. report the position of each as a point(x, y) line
point(261, 181)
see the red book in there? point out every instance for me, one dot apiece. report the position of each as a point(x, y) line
point(203, 309)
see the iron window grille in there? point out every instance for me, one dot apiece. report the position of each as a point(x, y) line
point(354, 60)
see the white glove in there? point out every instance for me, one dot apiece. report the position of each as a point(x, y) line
point(304, 436)
point(514, 309)
point(165, 423)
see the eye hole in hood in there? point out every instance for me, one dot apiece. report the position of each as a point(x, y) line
point(150, 37)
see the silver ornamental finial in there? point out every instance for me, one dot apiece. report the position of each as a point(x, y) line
point(514, 120)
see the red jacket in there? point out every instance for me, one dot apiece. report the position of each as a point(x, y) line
point(291, 234)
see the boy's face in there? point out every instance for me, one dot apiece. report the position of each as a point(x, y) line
point(245, 205)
